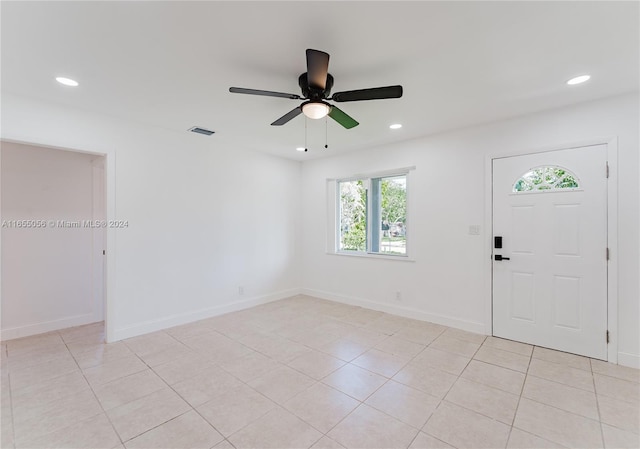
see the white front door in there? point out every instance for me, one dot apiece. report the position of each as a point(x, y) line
point(550, 288)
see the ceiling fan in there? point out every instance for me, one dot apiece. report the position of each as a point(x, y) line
point(316, 84)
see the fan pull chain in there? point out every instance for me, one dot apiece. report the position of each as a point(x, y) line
point(306, 148)
point(326, 133)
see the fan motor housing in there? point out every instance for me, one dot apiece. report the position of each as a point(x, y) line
point(313, 93)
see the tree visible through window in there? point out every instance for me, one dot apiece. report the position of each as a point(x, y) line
point(546, 178)
point(353, 216)
point(373, 215)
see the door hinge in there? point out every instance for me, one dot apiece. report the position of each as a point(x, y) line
point(607, 253)
point(607, 336)
point(104, 252)
point(607, 170)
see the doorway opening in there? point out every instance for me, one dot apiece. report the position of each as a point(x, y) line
point(54, 239)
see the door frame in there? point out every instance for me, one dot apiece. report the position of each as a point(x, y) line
point(612, 232)
point(109, 280)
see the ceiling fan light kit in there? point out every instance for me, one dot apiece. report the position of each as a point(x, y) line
point(315, 109)
point(316, 84)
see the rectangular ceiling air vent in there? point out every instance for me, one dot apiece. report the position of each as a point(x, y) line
point(199, 130)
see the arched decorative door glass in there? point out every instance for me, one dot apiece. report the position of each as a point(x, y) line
point(546, 178)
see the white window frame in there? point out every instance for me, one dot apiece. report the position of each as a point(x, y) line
point(334, 244)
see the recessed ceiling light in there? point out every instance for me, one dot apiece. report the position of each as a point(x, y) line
point(578, 79)
point(301, 149)
point(396, 126)
point(67, 81)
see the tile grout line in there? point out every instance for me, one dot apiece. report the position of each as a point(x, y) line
point(595, 393)
point(224, 437)
point(172, 389)
point(524, 382)
point(50, 379)
point(466, 408)
point(561, 410)
point(231, 374)
point(61, 375)
point(93, 392)
point(361, 402)
point(388, 379)
point(552, 406)
point(442, 332)
point(440, 400)
point(192, 408)
point(508, 350)
point(561, 383)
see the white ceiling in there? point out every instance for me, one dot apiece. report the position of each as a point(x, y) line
point(170, 64)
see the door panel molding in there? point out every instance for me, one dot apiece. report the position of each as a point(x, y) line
point(612, 234)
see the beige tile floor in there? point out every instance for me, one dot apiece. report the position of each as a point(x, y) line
point(304, 372)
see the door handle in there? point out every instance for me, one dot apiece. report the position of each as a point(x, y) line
point(499, 257)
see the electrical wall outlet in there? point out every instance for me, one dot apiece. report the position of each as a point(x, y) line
point(398, 296)
point(241, 290)
point(474, 229)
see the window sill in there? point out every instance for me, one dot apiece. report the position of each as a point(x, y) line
point(372, 256)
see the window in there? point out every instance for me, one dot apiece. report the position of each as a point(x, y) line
point(372, 215)
point(546, 178)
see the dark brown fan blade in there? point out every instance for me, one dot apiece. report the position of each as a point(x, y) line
point(317, 68)
point(266, 93)
point(288, 116)
point(341, 117)
point(376, 93)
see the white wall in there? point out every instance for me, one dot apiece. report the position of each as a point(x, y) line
point(449, 280)
point(47, 272)
point(204, 218)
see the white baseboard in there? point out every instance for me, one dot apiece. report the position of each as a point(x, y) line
point(630, 360)
point(47, 326)
point(189, 317)
point(407, 312)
